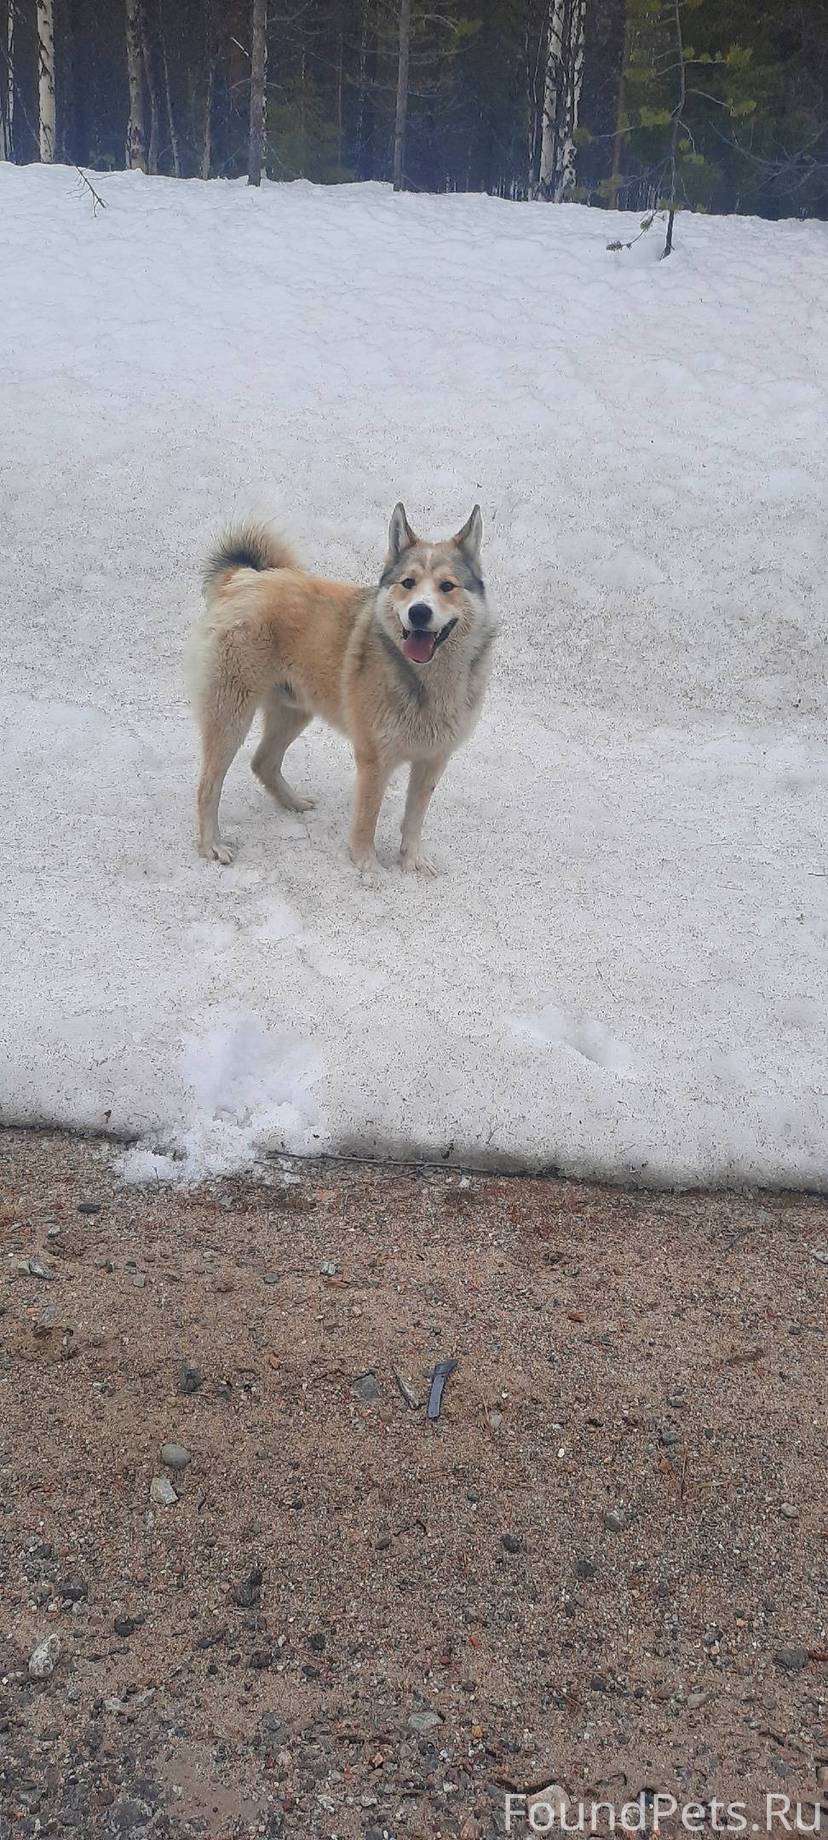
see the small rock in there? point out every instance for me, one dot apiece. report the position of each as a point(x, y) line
point(175, 1456)
point(74, 1590)
point(424, 1721)
point(139, 1281)
point(367, 1388)
point(126, 1625)
point(190, 1377)
point(411, 1398)
point(327, 1268)
point(615, 1520)
point(382, 1542)
point(511, 1542)
point(261, 1658)
point(317, 1641)
point(271, 1277)
point(677, 1401)
point(695, 1700)
point(249, 1591)
point(162, 1491)
point(820, 1253)
point(584, 1568)
point(788, 1511)
point(669, 1435)
point(793, 1660)
point(44, 1658)
point(89, 1207)
point(39, 1271)
point(128, 1708)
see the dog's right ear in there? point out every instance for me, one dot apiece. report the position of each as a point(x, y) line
point(400, 535)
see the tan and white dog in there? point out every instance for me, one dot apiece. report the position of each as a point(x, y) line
point(401, 669)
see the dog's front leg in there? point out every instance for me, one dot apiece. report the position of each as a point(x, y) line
point(373, 774)
point(422, 781)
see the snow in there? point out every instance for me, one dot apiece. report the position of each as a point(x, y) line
point(622, 970)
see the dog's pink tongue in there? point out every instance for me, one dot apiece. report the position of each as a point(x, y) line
point(419, 646)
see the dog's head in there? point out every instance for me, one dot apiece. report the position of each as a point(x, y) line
point(430, 593)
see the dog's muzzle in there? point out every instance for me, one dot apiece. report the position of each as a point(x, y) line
point(419, 645)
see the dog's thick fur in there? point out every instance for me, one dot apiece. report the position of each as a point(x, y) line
point(401, 669)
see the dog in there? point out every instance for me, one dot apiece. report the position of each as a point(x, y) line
point(401, 669)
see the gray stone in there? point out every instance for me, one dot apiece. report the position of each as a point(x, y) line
point(511, 1542)
point(793, 1660)
point(615, 1520)
point(190, 1377)
point(367, 1388)
point(89, 1207)
point(44, 1658)
point(789, 1512)
point(424, 1721)
point(162, 1491)
point(411, 1398)
point(584, 1568)
point(176, 1456)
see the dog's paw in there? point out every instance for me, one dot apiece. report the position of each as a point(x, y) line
point(366, 862)
point(221, 852)
point(293, 801)
point(417, 865)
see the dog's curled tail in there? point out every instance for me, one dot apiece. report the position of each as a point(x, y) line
point(246, 546)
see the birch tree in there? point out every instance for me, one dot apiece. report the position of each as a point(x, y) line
point(563, 79)
point(7, 106)
point(46, 78)
point(401, 112)
point(258, 69)
point(136, 143)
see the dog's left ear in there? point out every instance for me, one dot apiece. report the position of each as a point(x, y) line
point(400, 535)
point(470, 537)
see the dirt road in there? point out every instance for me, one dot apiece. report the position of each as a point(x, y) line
point(604, 1566)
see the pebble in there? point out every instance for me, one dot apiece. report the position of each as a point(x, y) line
point(511, 1542)
point(411, 1398)
point(820, 1253)
point(382, 1542)
point(584, 1568)
point(139, 1280)
point(793, 1660)
point(44, 1658)
point(37, 1270)
point(367, 1388)
point(789, 1512)
point(695, 1700)
point(162, 1491)
point(175, 1456)
point(190, 1377)
point(615, 1520)
point(424, 1721)
point(89, 1207)
point(670, 1435)
point(327, 1268)
point(126, 1625)
point(249, 1591)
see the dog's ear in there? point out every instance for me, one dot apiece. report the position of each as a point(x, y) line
point(400, 535)
point(470, 537)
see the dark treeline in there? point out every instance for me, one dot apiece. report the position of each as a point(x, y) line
point(717, 104)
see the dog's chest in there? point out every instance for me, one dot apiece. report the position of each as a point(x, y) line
point(440, 717)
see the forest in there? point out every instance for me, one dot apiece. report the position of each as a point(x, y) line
point(713, 105)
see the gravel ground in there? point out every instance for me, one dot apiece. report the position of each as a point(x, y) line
point(605, 1566)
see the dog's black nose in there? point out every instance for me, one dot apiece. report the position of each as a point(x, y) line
point(419, 614)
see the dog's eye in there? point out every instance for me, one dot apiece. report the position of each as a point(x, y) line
point(446, 587)
point(409, 582)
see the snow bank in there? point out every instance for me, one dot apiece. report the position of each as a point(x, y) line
point(622, 969)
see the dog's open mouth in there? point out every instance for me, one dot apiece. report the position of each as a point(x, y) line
point(420, 647)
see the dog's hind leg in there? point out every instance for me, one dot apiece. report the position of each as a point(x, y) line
point(225, 719)
point(282, 723)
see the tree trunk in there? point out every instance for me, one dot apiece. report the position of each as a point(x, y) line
point(174, 146)
point(620, 113)
point(149, 48)
point(401, 116)
point(561, 97)
point(136, 143)
point(7, 138)
point(258, 67)
point(46, 78)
